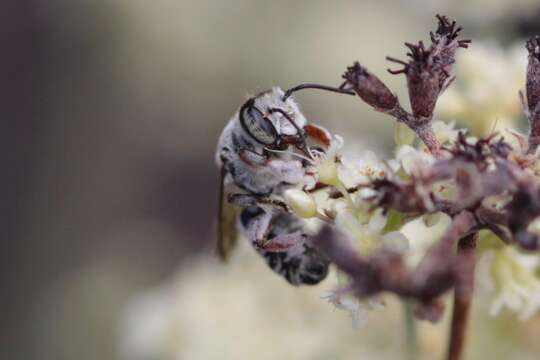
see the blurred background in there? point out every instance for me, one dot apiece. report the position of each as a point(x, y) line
point(111, 113)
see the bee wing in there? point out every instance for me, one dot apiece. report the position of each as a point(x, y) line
point(227, 232)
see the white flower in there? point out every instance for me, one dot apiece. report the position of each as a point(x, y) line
point(371, 167)
point(301, 203)
point(445, 131)
point(357, 309)
point(365, 168)
point(511, 276)
point(367, 232)
point(336, 170)
point(327, 166)
point(421, 237)
point(413, 160)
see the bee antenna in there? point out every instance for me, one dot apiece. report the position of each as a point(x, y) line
point(316, 86)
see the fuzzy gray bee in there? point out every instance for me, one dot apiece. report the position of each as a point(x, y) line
point(262, 151)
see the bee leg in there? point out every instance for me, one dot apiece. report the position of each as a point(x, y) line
point(283, 242)
point(289, 171)
point(245, 200)
point(252, 158)
point(258, 225)
point(242, 200)
point(300, 264)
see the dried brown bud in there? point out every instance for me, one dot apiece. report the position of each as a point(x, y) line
point(428, 71)
point(447, 32)
point(398, 195)
point(424, 79)
point(445, 42)
point(369, 87)
point(533, 73)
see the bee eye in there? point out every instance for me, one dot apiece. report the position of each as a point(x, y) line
point(257, 125)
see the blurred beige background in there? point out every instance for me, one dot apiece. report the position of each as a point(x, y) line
point(112, 112)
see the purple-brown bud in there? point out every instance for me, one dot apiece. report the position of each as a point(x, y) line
point(424, 79)
point(369, 87)
point(445, 42)
point(533, 73)
point(428, 71)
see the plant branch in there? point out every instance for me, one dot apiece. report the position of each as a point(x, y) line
point(463, 292)
point(533, 93)
point(428, 73)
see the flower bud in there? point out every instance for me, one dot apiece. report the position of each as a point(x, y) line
point(301, 203)
point(428, 70)
point(369, 87)
point(423, 81)
point(328, 172)
point(445, 42)
point(396, 241)
point(431, 219)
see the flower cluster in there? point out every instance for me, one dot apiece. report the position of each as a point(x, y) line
point(478, 184)
point(511, 277)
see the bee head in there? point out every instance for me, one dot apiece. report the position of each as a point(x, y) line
point(273, 119)
point(273, 122)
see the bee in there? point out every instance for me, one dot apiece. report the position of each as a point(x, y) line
point(262, 151)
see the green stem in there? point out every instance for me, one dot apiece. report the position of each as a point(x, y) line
point(411, 336)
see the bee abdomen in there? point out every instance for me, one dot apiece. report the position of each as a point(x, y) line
point(300, 265)
point(304, 266)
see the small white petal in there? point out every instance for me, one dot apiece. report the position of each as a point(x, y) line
point(328, 172)
point(431, 219)
point(396, 241)
point(531, 307)
point(408, 157)
point(496, 307)
point(301, 203)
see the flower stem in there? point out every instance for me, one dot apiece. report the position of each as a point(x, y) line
point(462, 297)
point(343, 190)
point(411, 336)
point(427, 135)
